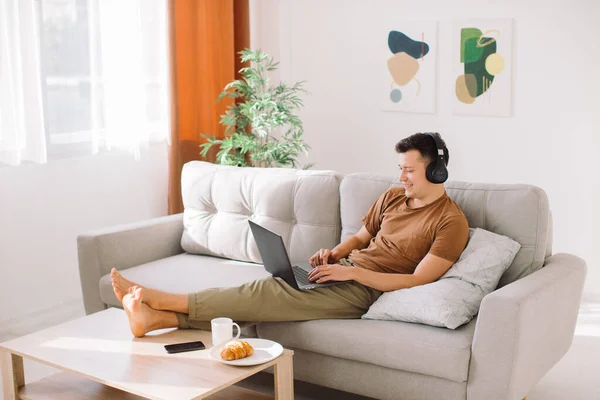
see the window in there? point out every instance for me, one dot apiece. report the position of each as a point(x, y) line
point(103, 77)
point(65, 75)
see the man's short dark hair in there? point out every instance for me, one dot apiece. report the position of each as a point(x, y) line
point(425, 144)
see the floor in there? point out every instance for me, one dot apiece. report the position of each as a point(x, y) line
point(574, 377)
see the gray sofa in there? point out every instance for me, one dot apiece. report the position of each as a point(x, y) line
point(523, 328)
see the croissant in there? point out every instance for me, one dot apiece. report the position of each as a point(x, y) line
point(236, 349)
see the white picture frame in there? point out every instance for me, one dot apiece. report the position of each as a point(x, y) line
point(409, 66)
point(482, 67)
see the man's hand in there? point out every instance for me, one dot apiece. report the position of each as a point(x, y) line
point(324, 256)
point(331, 272)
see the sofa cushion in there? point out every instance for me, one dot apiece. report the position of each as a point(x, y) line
point(416, 348)
point(518, 211)
point(300, 205)
point(455, 298)
point(185, 273)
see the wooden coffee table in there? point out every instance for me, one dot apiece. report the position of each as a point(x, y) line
point(102, 360)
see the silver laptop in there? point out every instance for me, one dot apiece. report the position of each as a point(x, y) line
point(276, 260)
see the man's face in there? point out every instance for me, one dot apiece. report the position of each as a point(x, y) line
point(412, 174)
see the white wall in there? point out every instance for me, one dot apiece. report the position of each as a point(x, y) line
point(44, 207)
point(551, 140)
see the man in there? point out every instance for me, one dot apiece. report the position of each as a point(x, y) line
point(411, 236)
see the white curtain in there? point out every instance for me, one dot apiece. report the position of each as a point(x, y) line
point(128, 59)
point(106, 89)
point(22, 135)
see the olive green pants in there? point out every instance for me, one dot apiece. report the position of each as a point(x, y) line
point(272, 299)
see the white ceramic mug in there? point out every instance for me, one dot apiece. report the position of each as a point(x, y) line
point(222, 330)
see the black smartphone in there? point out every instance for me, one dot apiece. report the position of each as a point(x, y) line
point(181, 347)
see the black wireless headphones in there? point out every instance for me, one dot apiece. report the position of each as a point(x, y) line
point(436, 170)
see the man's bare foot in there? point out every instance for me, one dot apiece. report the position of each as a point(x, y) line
point(120, 285)
point(154, 298)
point(138, 313)
point(143, 318)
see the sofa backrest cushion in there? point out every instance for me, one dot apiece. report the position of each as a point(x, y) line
point(518, 211)
point(302, 206)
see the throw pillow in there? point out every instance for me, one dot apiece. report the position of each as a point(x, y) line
point(454, 299)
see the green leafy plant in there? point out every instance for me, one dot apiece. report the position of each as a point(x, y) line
point(259, 110)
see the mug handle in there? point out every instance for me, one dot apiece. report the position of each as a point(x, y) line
point(239, 331)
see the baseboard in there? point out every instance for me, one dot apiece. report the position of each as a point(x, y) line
point(40, 319)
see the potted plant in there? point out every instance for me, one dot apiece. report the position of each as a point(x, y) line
point(259, 110)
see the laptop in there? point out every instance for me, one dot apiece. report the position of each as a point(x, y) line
point(276, 260)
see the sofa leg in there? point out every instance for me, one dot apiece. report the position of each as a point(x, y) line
point(525, 398)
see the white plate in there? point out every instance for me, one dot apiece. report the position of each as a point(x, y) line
point(264, 351)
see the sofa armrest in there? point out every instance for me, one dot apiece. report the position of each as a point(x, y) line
point(524, 329)
point(122, 247)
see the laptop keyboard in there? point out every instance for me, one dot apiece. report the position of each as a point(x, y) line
point(301, 275)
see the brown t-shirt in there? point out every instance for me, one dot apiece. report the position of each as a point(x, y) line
point(402, 236)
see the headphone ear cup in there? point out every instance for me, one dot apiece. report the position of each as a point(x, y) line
point(435, 175)
point(429, 171)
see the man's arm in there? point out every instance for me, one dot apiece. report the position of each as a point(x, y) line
point(430, 269)
point(359, 240)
